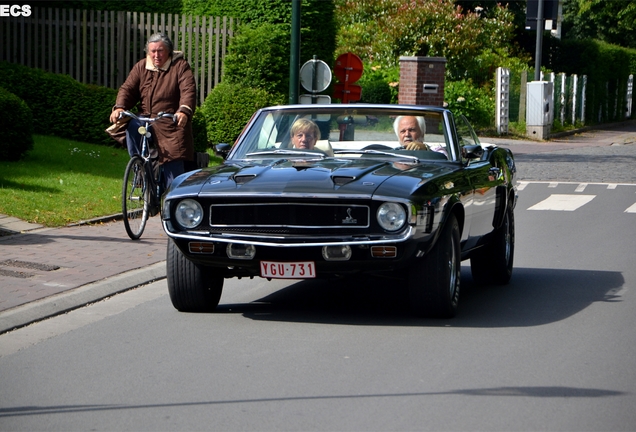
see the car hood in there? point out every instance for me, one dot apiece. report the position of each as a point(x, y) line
point(356, 176)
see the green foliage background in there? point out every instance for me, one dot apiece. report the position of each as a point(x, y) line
point(229, 107)
point(259, 57)
point(60, 105)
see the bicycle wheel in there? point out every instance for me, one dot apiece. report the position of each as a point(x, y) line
point(134, 198)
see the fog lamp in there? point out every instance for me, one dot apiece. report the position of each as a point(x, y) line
point(336, 253)
point(241, 251)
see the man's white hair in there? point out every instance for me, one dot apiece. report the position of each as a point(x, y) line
point(420, 121)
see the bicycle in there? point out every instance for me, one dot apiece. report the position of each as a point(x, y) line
point(141, 190)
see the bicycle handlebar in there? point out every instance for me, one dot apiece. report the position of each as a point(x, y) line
point(148, 119)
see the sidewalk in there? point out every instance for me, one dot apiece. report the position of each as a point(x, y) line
point(47, 271)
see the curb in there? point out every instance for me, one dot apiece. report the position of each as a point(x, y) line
point(58, 304)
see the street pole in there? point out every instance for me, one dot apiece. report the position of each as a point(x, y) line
point(294, 55)
point(539, 47)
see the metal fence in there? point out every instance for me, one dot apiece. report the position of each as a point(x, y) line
point(100, 47)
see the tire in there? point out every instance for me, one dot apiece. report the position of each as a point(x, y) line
point(192, 287)
point(493, 263)
point(134, 202)
point(434, 284)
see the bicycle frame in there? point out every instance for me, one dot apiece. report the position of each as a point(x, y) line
point(144, 131)
point(149, 190)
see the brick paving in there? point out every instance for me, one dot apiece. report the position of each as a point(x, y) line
point(75, 256)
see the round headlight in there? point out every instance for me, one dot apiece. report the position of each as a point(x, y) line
point(188, 213)
point(391, 216)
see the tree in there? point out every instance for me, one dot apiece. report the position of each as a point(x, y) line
point(317, 20)
point(380, 31)
point(609, 21)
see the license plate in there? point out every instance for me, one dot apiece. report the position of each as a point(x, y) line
point(288, 270)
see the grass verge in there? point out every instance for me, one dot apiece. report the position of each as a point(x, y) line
point(61, 182)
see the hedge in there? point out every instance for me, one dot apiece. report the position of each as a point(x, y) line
point(607, 68)
point(16, 123)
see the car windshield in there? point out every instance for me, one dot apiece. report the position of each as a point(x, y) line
point(316, 131)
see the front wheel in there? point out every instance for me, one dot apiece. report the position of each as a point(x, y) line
point(493, 263)
point(434, 284)
point(134, 202)
point(192, 287)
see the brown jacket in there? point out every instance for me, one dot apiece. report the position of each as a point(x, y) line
point(170, 88)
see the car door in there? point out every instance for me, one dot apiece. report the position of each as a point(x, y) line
point(483, 178)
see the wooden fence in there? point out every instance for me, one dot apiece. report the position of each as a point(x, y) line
point(100, 47)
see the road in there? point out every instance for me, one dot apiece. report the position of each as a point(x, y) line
point(551, 351)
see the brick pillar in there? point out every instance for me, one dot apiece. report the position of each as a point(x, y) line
point(422, 81)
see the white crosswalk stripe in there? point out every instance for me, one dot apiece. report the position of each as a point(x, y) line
point(561, 202)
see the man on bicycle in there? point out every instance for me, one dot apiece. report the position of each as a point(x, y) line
point(162, 82)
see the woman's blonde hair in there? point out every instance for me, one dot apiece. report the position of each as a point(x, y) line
point(303, 124)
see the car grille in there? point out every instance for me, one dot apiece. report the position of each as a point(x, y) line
point(289, 215)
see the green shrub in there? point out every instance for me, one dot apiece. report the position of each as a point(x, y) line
point(380, 84)
point(199, 130)
point(377, 91)
point(259, 57)
point(229, 107)
point(477, 104)
point(16, 124)
point(60, 105)
point(318, 27)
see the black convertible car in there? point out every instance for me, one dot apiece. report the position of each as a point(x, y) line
point(330, 191)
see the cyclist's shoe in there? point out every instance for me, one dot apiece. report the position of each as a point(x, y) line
point(154, 205)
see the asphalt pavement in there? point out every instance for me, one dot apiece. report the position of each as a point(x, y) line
point(48, 271)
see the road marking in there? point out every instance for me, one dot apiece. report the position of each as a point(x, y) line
point(631, 209)
point(553, 184)
point(560, 202)
point(581, 187)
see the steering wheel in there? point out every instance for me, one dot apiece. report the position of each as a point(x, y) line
point(379, 147)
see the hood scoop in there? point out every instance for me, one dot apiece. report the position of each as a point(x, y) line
point(342, 180)
point(243, 178)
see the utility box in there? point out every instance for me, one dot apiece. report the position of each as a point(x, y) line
point(539, 106)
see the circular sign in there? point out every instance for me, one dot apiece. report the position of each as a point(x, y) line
point(348, 68)
point(315, 76)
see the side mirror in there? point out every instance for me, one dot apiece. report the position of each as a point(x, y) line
point(222, 150)
point(472, 151)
